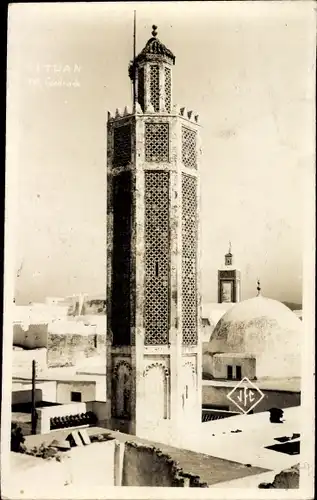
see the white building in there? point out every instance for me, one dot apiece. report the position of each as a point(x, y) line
point(257, 338)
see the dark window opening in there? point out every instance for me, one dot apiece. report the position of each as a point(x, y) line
point(75, 397)
point(229, 372)
point(238, 373)
point(95, 341)
point(156, 269)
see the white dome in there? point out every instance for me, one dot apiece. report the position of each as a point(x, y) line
point(264, 328)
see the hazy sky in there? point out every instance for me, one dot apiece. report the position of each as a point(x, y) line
point(246, 68)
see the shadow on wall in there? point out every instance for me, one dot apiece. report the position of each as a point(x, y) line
point(31, 337)
point(149, 466)
point(207, 362)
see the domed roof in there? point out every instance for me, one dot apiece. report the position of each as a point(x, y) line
point(264, 328)
point(153, 49)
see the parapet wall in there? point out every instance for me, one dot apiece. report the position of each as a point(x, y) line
point(149, 466)
point(46, 413)
point(30, 336)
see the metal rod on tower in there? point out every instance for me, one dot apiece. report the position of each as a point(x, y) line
point(134, 55)
point(33, 411)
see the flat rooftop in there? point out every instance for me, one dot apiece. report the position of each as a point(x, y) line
point(246, 438)
point(210, 469)
point(268, 384)
point(67, 374)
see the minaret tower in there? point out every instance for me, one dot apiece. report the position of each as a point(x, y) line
point(229, 280)
point(154, 357)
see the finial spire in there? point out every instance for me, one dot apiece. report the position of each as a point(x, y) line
point(229, 247)
point(154, 30)
point(258, 288)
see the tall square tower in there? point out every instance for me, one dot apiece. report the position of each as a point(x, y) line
point(153, 301)
point(229, 281)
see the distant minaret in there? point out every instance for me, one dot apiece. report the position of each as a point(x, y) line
point(228, 280)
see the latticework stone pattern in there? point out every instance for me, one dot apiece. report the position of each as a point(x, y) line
point(155, 87)
point(157, 250)
point(157, 142)
point(168, 89)
point(189, 148)
point(122, 146)
point(189, 259)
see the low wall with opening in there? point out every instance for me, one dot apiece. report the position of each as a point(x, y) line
point(46, 413)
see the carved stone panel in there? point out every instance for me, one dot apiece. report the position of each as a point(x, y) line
point(121, 386)
point(157, 391)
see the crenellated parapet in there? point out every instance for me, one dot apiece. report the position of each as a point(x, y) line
point(188, 114)
point(149, 110)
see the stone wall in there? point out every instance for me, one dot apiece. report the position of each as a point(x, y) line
point(148, 466)
point(95, 307)
point(285, 480)
point(89, 307)
point(67, 349)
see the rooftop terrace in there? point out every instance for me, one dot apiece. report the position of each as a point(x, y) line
point(211, 470)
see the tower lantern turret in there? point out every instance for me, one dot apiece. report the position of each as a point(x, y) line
point(152, 71)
